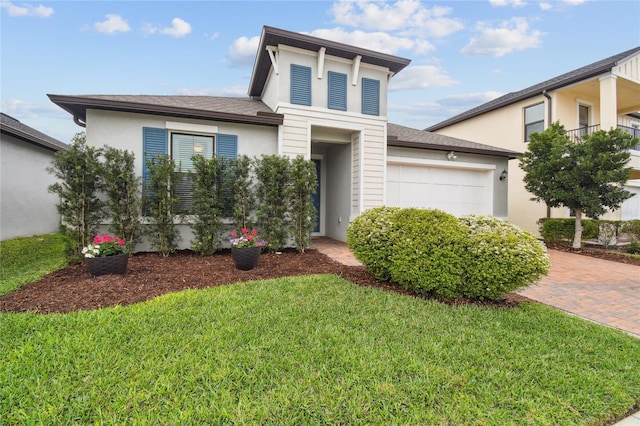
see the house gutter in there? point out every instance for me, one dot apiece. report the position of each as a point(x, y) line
point(79, 122)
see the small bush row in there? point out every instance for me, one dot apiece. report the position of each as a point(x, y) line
point(434, 253)
point(561, 230)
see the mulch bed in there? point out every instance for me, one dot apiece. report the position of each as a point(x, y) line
point(611, 254)
point(150, 275)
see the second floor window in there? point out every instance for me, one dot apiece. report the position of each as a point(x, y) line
point(300, 85)
point(533, 120)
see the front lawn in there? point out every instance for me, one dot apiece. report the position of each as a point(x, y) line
point(313, 350)
point(27, 259)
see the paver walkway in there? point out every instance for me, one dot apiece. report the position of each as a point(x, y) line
point(599, 290)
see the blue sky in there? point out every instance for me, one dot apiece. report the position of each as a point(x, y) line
point(463, 53)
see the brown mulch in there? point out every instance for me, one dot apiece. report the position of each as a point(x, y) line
point(611, 254)
point(150, 275)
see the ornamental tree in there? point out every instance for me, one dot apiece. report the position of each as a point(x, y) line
point(587, 177)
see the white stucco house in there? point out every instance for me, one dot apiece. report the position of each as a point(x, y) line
point(322, 100)
point(26, 206)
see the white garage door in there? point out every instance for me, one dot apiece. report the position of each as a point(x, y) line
point(456, 191)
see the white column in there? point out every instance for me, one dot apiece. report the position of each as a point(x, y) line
point(608, 103)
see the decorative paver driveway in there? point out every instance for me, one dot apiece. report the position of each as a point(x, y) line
point(599, 290)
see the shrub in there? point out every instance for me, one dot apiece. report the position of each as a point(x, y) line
point(561, 231)
point(633, 247)
point(273, 190)
point(303, 213)
point(632, 229)
point(78, 172)
point(427, 251)
point(500, 258)
point(368, 237)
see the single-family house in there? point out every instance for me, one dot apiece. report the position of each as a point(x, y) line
point(26, 206)
point(324, 101)
point(599, 96)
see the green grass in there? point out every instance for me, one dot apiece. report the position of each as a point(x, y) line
point(25, 260)
point(313, 350)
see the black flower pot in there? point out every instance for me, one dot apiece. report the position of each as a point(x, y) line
point(245, 258)
point(108, 265)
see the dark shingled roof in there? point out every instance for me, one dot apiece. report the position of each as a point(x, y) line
point(566, 79)
point(235, 110)
point(413, 138)
point(275, 36)
point(13, 127)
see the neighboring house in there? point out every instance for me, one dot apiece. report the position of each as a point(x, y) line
point(599, 96)
point(26, 206)
point(321, 100)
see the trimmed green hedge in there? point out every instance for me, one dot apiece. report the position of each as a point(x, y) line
point(500, 258)
point(433, 252)
point(427, 252)
point(561, 230)
point(368, 237)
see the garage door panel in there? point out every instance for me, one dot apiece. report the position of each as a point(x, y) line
point(456, 191)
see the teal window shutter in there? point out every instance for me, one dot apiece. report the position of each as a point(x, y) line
point(154, 143)
point(370, 96)
point(300, 85)
point(227, 146)
point(337, 91)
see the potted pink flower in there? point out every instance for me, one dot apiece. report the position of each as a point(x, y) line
point(106, 255)
point(246, 247)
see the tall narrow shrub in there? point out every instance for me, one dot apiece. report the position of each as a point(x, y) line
point(122, 188)
point(78, 171)
point(208, 203)
point(273, 191)
point(161, 201)
point(244, 200)
point(303, 213)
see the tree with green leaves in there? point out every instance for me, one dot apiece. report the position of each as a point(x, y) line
point(209, 188)
point(244, 200)
point(587, 177)
point(273, 190)
point(122, 187)
point(303, 213)
point(160, 200)
point(78, 170)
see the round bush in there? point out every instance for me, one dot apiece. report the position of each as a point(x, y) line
point(368, 238)
point(427, 251)
point(500, 258)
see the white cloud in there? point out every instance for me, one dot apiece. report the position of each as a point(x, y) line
point(179, 28)
point(511, 36)
point(39, 11)
point(234, 91)
point(421, 77)
point(506, 3)
point(408, 16)
point(545, 5)
point(113, 24)
point(378, 41)
point(242, 51)
point(574, 2)
point(20, 109)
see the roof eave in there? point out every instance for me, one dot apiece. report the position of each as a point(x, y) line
point(77, 107)
point(30, 138)
point(511, 155)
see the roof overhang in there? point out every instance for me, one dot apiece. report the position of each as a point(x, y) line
point(275, 36)
point(77, 106)
point(391, 141)
point(26, 137)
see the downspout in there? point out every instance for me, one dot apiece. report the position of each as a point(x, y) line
point(546, 95)
point(76, 120)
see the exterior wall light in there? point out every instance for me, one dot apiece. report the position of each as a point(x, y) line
point(503, 175)
point(451, 156)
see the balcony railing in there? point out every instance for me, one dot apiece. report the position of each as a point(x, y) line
point(577, 135)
